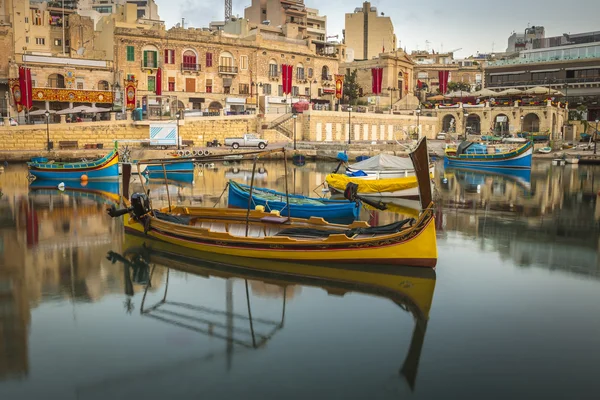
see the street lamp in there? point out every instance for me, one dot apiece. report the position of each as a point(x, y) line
point(257, 86)
point(295, 116)
point(349, 126)
point(47, 114)
point(418, 111)
point(178, 115)
point(466, 115)
point(596, 135)
point(391, 90)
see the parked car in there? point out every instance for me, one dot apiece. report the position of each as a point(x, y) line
point(248, 140)
point(13, 122)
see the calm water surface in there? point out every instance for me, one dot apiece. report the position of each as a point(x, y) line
point(512, 311)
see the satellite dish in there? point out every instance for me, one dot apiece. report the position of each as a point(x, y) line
point(80, 51)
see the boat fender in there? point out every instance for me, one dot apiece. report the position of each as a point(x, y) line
point(260, 208)
point(84, 178)
point(276, 213)
point(61, 186)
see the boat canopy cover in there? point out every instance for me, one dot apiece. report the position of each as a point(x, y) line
point(463, 147)
point(384, 162)
point(340, 181)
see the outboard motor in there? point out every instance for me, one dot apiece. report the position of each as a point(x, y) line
point(140, 206)
point(351, 193)
point(140, 203)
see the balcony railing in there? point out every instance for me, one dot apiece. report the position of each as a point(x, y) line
point(553, 82)
point(149, 64)
point(326, 77)
point(225, 69)
point(190, 67)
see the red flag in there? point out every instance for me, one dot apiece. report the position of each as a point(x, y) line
point(443, 78)
point(380, 81)
point(419, 84)
point(289, 77)
point(158, 88)
point(284, 73)
point(374, 80)
point(29, 91)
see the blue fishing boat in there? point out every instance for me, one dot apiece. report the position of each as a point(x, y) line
point(300, 206)
point(106, 168)
point(470, 154)
point(106, 192)
point(361, 158)
point(183, 170)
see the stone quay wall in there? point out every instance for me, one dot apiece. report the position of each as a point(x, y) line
point(199, 130)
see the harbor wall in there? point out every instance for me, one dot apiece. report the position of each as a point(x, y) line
point(332, 126)
point(199, 130)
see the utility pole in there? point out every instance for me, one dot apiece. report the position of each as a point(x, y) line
point(228, 9)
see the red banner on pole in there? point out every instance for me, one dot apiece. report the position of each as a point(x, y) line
point(15, 89)
point(284, 76)
point(158, 89)
point(130, 90)
point(28, 90)
point(443, 78)
point(339, 86)
point(377, 79)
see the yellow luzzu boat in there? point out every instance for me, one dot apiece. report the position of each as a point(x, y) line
point(256, 234)
point(407, 187)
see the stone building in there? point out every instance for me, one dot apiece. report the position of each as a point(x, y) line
point(367, 34)
point(216, 70)
point(397, 82)
point(282, 12)
point(58, 45)
point(469, 71)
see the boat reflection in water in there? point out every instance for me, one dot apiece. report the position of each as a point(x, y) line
point(474, 179)
point(101, 192)
point(410, 288)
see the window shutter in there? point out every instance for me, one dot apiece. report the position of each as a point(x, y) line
point(166, 56)
point(155, 60)
point(145, 58)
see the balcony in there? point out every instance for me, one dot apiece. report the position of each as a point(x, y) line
point(229, 70)
point(149, 64)
point(325, 77)
point(188, 67)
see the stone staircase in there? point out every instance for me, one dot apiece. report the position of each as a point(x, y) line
point(283, 125)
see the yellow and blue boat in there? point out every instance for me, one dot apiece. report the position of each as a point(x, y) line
point(106, 168)
point(471, 154)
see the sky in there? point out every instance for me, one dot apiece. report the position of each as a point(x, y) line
point(442, 25)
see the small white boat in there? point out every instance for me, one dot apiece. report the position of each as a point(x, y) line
point(545, 150)
point(383, 166)
point(514, 140)
point(572, 160)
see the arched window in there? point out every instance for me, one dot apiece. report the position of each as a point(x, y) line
point(227, 63)
point(325, 73)
point(300, 71)
point(189, 61)
point(103, 85)
point(273, 70)
point(56, 81)
point(531, 123)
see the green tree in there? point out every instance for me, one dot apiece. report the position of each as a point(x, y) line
point(580, 114)
point(351, 86)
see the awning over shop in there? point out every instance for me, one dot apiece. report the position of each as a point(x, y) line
point(196, 100)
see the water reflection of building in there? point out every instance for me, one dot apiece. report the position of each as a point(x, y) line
point(268, 290)
point(15, 315)
point(554, 223)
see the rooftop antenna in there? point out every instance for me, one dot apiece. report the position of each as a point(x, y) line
point(493, 44)
point(427, 42)
point(228, 9)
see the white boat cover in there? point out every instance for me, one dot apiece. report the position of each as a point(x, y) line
point(384, 162)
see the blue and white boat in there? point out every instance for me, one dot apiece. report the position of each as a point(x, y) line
point(477, 177)
point(105, 192)
point(300, 206)
point(106, 168)
point(476, 155)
